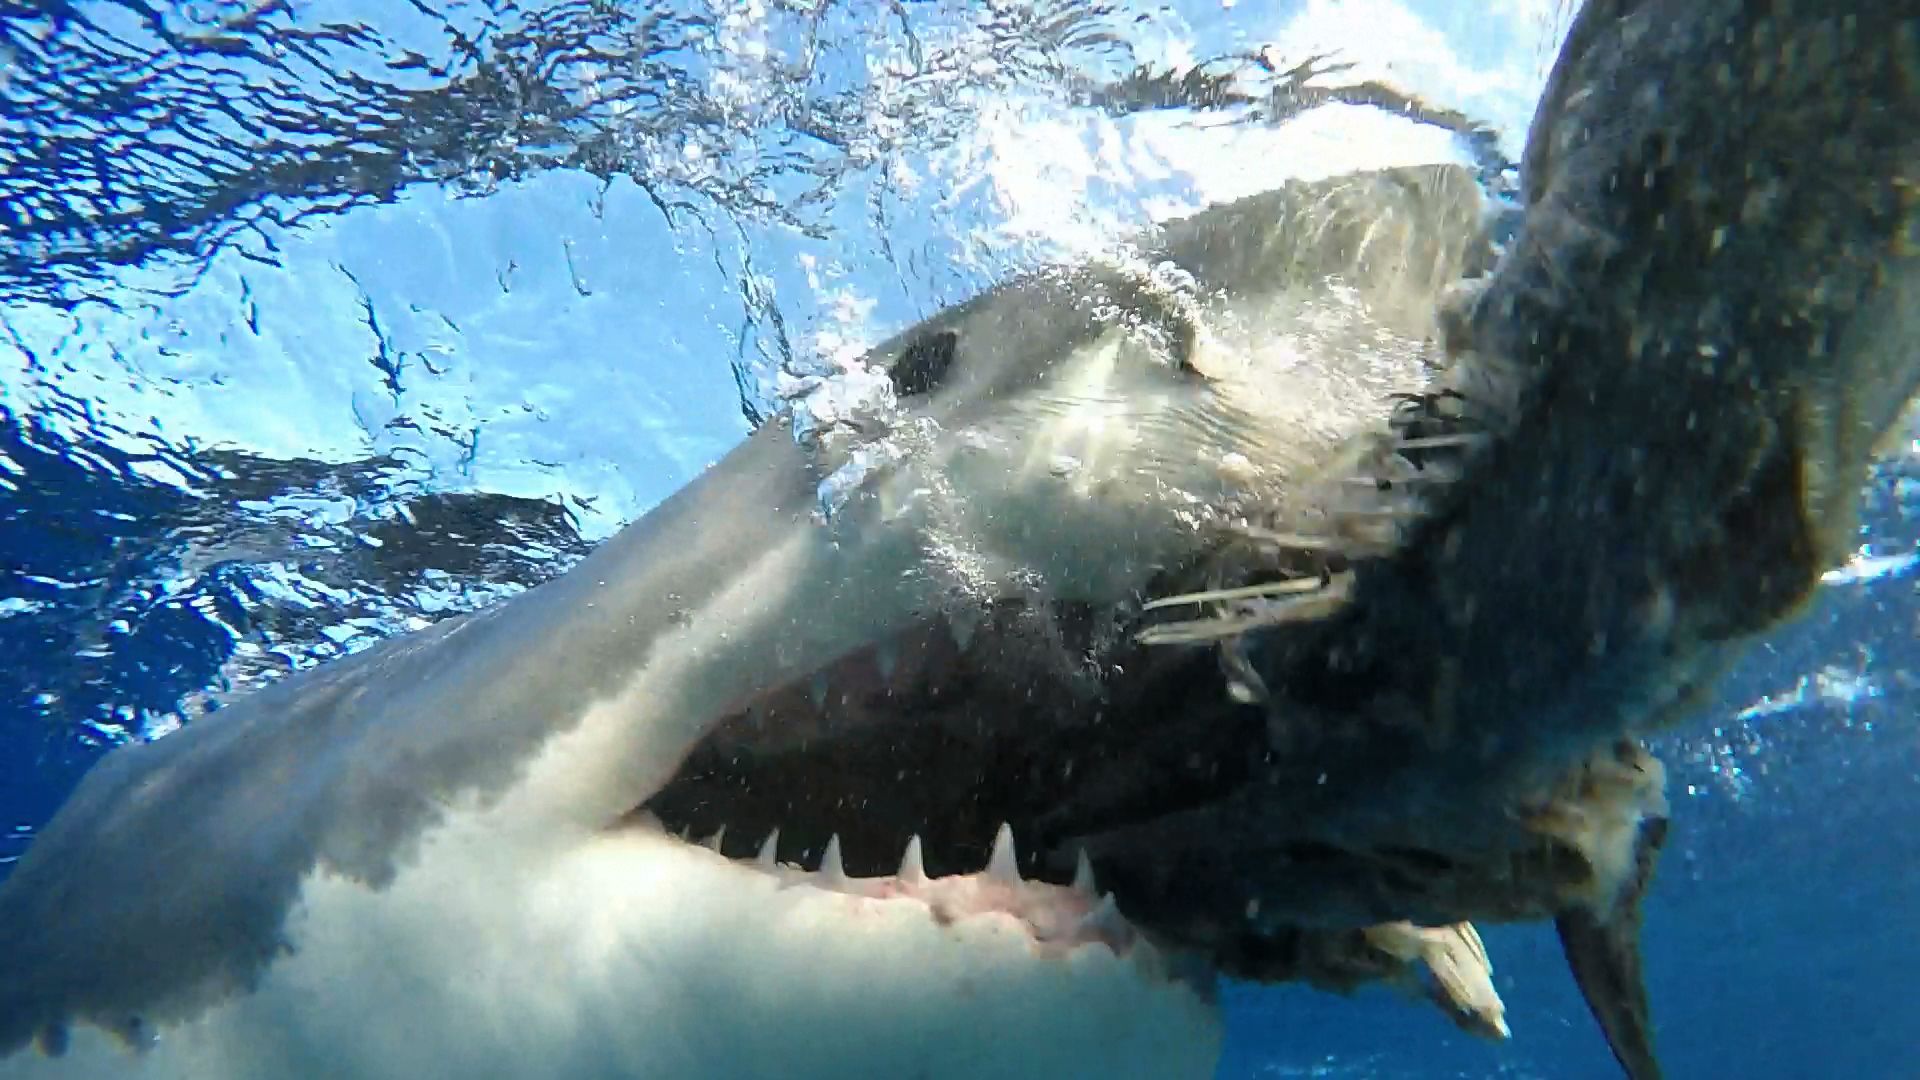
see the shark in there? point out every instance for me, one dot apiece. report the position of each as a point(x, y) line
point(456, 853)
point(1274, 599)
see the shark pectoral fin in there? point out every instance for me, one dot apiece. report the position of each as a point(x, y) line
point(1604, 953)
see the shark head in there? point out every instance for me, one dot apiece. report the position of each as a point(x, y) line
point(763, 786)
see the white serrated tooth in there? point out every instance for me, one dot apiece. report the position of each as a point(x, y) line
point(1105, 918)
point(770, 852)
point(712, 843)
point(1002, 865)
point(1148, 960)
point(913, 866)
point(1083, 877)
point(830, 866)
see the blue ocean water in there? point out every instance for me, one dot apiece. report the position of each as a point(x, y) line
point(319, 322)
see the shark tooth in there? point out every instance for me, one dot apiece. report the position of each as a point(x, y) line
point(831, 868)
point(1083, 877)
point(1148, 960)
point(712, 843)
point(1104, 920)
point(769, 859)
point(913, 866)
point(1001, 865)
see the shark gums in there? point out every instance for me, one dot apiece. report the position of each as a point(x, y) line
point(1294, 591)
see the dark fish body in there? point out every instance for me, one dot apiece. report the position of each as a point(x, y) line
point(1671, 387)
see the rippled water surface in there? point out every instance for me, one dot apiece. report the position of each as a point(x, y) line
point(319, 321)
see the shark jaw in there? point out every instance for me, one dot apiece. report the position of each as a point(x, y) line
point(628, 952)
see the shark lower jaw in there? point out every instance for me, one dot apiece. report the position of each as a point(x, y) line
point(630, 952)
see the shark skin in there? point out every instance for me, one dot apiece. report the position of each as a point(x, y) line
point(431, 858)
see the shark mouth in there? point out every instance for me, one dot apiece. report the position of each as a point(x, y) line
point(880, 779)
point(1058, 723)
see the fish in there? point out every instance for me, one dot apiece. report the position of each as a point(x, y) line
point(1660, 408)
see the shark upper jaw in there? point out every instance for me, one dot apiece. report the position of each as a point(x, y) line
point(426, 858)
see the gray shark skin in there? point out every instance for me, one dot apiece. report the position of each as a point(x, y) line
point(201, 898)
